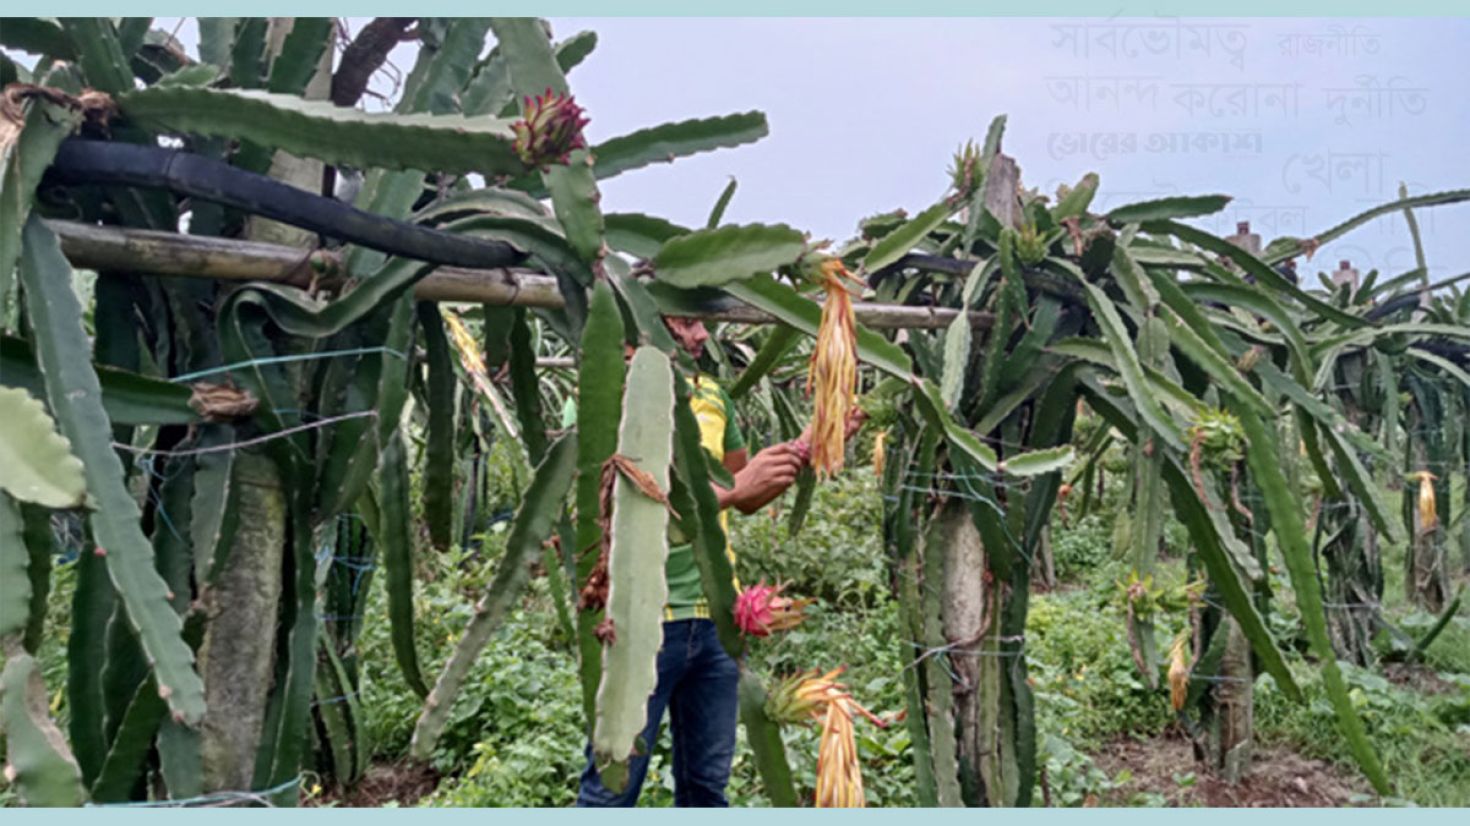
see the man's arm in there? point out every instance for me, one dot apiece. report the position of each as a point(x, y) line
point(764, 478)
point(736, 454)
point(760, 480)
point(736, 460)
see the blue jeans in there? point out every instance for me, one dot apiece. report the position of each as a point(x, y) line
point(698, 682)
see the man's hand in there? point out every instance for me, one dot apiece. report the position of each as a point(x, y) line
point(774, 469)
point(855, 418)
point(765, 477)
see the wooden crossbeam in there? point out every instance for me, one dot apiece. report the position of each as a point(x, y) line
point(116, 249)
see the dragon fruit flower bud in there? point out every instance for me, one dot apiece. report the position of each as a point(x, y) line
point(549, 130)
point(967, 172)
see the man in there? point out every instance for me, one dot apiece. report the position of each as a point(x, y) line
point(697, 679)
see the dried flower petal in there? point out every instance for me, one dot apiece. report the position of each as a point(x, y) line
point(605, 632)
point(221, 402)
point(593, 596)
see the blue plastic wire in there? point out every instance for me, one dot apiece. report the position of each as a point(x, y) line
point(355, 351)
point(263, 797)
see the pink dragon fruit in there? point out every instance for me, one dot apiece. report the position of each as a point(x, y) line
point(760, 609)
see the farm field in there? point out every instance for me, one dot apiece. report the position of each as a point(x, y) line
point(357, 451)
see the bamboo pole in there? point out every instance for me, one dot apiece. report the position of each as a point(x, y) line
point(115, 249)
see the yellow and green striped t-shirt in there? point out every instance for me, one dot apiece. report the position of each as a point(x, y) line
point(715, 411)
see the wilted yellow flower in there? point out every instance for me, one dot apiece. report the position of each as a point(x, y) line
point(801, 697)
point(474, 365)
point(839, 775)
point(880, 446)
point(1250, 358)
point(1178, 673)
point(832, 377)
point(806, 697)
point(1428, 514)
point(469, 350)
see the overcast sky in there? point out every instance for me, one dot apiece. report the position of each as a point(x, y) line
point(1304, 121)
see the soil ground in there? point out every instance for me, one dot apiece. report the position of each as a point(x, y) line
point(1417, 676)
point(1277, 778)
point(403, 784)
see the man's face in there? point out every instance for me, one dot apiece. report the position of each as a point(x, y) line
point(689, 332)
